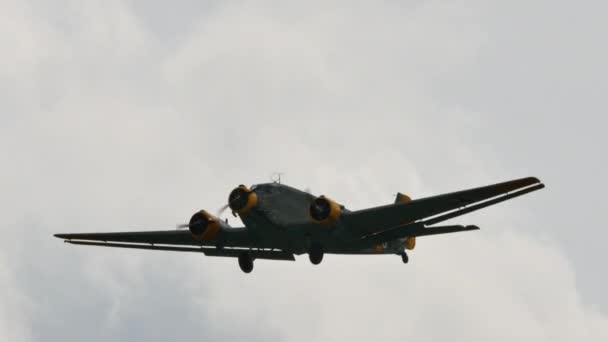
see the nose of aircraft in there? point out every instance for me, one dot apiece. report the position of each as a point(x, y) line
point(242, 199)
point(237, 200)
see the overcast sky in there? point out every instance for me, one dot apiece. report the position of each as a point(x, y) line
point(132, 115)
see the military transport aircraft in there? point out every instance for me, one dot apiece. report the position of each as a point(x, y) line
point(281, 221)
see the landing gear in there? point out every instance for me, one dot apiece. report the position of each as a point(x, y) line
point(246, 262)
point(404, 257)
point(315, 253)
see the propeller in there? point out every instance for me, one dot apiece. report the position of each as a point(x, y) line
point(182, 226)
point(187, 225)
point(221, 210)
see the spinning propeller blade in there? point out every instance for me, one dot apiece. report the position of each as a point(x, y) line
point(222, 209)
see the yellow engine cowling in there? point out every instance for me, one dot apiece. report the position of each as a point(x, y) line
point(242, 199)
point(325, 211)
point(204, 226)
point(410, 243)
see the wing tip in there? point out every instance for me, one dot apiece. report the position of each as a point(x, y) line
point(534, 182)
point(530, 180)
point(527, 182)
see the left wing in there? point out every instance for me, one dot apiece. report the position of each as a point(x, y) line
point(378, 219)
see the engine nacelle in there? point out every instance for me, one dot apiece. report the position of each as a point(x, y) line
point(204, 226)
point(325, 211)
point(242, 199)
point(410, 243)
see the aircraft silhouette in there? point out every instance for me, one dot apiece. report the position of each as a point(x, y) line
point(281, 221)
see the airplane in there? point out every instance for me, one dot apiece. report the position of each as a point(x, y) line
point(282, 221)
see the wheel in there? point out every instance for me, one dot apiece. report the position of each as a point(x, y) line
point(404, 257)
point(246, 262)
point(315, 253)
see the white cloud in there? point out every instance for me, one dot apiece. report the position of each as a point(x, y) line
point(105, 126)
point(468, 287)
point(16, 309)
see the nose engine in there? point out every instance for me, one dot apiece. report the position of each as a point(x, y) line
point(242, 199)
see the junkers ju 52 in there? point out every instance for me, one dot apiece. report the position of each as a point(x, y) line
point(282, 221)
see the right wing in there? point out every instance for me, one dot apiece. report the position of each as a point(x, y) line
point(376, 220)
point(167, 237)
point(234, 241)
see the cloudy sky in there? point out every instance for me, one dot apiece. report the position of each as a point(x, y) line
point(127, 115)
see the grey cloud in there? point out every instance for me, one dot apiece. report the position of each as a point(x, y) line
point(109, 123)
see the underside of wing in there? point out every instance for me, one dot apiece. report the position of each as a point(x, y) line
point(208, 251)
point(233, 242)
point(435, 209)
point(233, 237)
point(169, 237)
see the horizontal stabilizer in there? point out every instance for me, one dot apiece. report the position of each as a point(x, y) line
point(440, 230)
point(412, 230)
